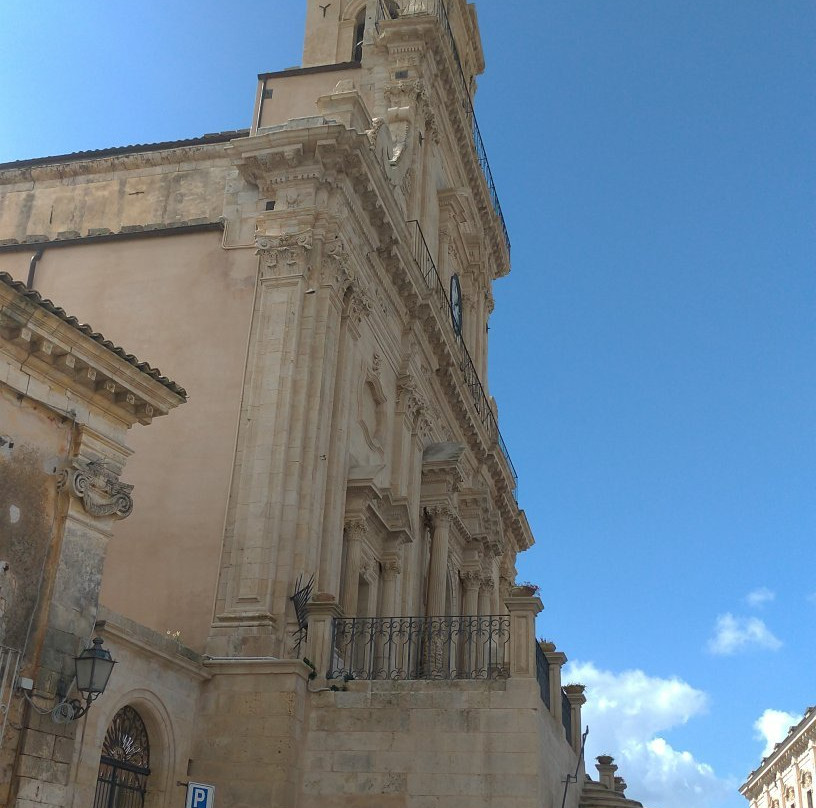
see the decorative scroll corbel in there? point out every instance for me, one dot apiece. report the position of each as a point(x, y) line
point(98, 487)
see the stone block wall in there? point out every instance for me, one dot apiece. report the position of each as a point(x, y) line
point(460, 744)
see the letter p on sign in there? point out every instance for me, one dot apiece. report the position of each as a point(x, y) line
point(200, 796)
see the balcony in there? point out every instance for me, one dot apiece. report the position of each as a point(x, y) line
point(412, 648)
point(470, 376)
point(389, 10)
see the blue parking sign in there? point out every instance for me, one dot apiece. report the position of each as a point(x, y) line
point(200, 795)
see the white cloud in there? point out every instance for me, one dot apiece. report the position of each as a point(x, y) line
point(734, 634)
point(772, 726)
point(626, 713)
point(759, 597)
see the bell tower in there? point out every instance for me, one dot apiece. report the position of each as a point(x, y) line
point(336, 29)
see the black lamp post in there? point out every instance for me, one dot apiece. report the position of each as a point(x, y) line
point(93, 669)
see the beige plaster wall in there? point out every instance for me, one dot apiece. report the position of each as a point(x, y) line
point(183, 304)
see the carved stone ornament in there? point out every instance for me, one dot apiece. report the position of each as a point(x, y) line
point(281, 253)
point(98, 487)
point(807, 779)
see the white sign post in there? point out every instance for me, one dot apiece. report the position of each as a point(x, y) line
point(200, 795)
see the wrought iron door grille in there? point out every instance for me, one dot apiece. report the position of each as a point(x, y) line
point(421, 647)
point(125, 763)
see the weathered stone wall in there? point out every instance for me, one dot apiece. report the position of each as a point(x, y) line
point(424, 744)
point(159, 678)
point(250, 730)
point(108, 194)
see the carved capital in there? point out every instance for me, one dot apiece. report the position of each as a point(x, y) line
point(283, 254)
point(487, 583)
point(356, 529)
point(98, 488)
point(471, 579)
point(441, 514)
point(391, 567)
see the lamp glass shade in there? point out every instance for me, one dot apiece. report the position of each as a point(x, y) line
point(93, 669)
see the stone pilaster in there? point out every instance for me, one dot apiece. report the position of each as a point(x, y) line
point(322, 611)
point(556, 661)
point(523, 611)
point(575, 696)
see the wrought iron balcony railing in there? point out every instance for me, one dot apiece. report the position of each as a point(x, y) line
point(420, 647)
point(388, 9)
point(425, 262)
point(543, 675)
point(566, 716)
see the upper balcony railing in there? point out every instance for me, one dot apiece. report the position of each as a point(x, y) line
point(484, 411)
point(459, 647)
point(388, 9)
point(543, 675)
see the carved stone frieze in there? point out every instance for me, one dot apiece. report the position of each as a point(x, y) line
point(98, 487)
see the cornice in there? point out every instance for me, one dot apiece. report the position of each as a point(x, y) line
point(47, 344)
point(91, 163)
point(797, 742)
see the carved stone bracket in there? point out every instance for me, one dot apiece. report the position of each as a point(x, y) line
point(98, 487)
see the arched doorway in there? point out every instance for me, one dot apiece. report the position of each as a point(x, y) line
point(124, 765)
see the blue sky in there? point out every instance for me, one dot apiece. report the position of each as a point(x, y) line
point(652, 352)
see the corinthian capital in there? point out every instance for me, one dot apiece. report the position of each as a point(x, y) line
point(441, 514)
point(356, 529)
point(98, 488)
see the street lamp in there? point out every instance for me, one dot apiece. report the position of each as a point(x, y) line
point(93, 669)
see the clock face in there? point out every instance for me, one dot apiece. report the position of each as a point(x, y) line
point(456, 304)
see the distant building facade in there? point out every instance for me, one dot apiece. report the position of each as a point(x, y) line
point(313, 602)
point(785, 778)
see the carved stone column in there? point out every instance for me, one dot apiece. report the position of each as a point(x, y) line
point(471, 580)
point(391, 568)
point(355, 531)
point(486, 589)
point(442, 516)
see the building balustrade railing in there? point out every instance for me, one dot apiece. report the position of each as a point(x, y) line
point(566, 715)
point(543, 675)
point(388, 9)
point(425, 262)
point(459, 647)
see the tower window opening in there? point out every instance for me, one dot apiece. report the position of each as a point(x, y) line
point(359, 34)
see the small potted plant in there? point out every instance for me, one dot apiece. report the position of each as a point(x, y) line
point(525, 589)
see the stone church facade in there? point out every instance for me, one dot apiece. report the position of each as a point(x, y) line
point(313, 601)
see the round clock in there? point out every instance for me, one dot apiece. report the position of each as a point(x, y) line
point(456, 304)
